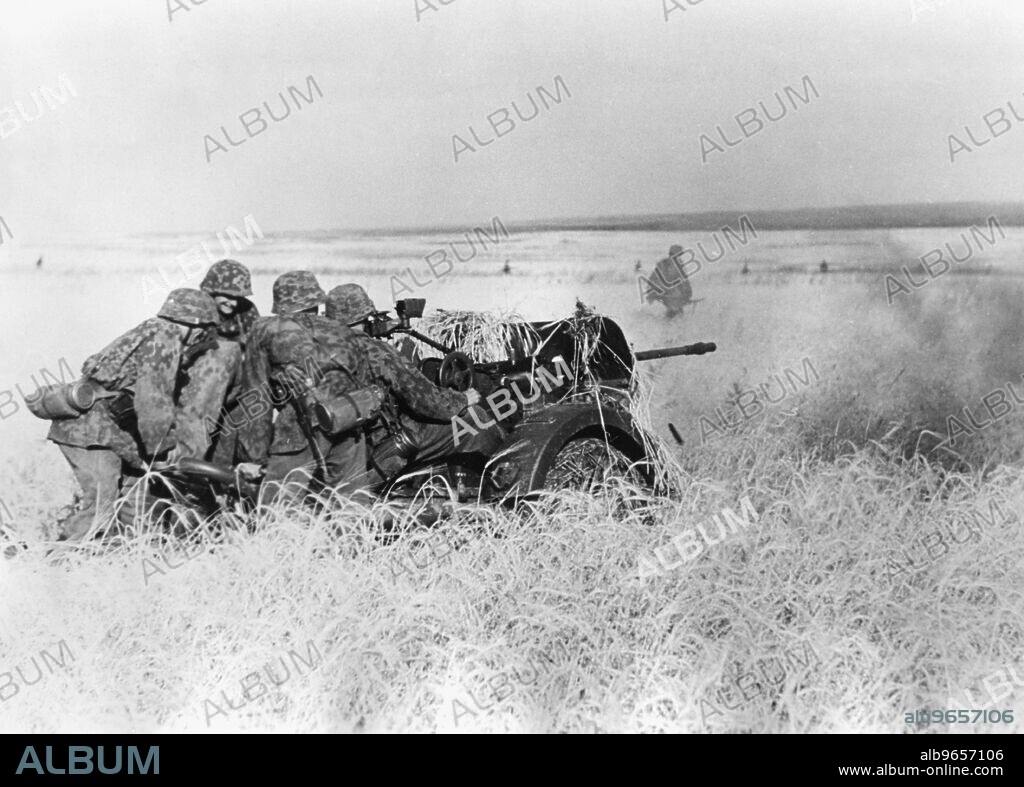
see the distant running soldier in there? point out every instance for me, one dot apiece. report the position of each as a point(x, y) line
point(416, 420)
point(674, 289)
point(134, 425)
point(215, 379)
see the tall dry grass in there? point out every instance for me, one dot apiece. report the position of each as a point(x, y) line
point(536, 620)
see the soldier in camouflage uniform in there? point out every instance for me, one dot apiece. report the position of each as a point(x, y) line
point(676, 292)
point(119, 435)
point(293, 355)
point(210, 399)
point(416, 420)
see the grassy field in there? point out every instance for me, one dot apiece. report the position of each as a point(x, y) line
point(835, 608)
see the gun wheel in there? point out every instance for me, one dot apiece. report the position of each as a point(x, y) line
point(588, 462)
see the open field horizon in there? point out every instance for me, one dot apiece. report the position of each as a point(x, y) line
point(842, 320)
point(829, 219)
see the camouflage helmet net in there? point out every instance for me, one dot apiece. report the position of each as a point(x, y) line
point(227, 277)
point(296, 291)
point(190, 307)
point(348, 304)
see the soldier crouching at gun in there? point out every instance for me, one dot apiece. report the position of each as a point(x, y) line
point(215, 379)
point(335, 387)
point(120, 416)
point(310, 364)
point(285, 356)
point(415, 421)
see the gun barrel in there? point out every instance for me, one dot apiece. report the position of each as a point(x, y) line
point(427, 340)
point(700, 348)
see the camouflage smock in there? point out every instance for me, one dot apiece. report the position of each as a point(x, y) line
point(672, 282)
point(400, 378)
point(214, 384)
point(145, 362)
point(292, 353)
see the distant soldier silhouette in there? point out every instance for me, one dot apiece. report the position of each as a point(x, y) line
point(823, 268)
point(39, 263)
point(638, 266)
point(507, 269)
point(746, 269)
point(674, 289)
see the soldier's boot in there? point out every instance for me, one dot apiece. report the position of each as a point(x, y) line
point(98, 472)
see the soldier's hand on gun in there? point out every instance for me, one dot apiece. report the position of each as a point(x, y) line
point(250, 471)
point(168, 461)
point(175, 455)
point(472, 397)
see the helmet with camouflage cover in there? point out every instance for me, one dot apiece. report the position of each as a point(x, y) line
point(227, 277)
point(189, 307)
point(296, 291)
point(349, 304)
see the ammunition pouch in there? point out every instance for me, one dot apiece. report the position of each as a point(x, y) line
point(348, 411)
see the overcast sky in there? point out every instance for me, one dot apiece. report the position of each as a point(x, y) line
point(127, 153)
